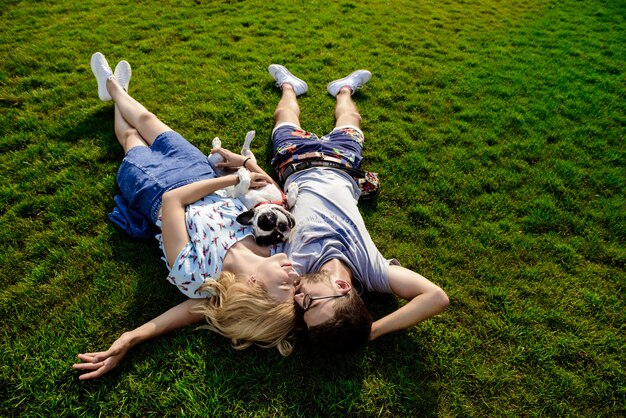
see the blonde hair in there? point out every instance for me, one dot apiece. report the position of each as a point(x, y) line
point(248, 315)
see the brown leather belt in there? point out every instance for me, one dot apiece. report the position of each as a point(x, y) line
point(308, 160)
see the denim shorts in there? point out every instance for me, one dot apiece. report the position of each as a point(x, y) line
point(148, 172)
point(344, 143)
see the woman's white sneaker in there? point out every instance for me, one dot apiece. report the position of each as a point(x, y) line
point(102, 71)
point(122, 74)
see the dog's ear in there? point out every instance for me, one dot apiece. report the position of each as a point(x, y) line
point(246, 217)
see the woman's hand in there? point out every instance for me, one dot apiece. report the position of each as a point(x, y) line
point(231, 160)
point(179, 316)
point(100, 363)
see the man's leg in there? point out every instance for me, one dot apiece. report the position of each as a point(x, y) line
point(346, 113)
point(347, 133)
point(287, 110)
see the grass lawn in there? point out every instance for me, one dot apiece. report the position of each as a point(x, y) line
point(498, 129)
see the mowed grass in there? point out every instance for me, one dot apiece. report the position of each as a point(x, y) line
point(498, 130)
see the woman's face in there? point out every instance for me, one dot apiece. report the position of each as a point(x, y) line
point(276, 275)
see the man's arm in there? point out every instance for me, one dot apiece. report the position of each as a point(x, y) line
point(233, 161)
point(425, 299)
point(99, 363)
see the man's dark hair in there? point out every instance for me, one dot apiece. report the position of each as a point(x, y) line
point(348, 330)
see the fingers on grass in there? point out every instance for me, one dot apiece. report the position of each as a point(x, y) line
point(91, 375)
point(87, 366)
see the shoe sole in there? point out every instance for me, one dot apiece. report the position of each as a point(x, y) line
point(130, 73)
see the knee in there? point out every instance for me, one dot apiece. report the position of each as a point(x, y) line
point(284, 112)
point(147, 118)
point(349, 118)
point(128, 138)
point(128, 134)
point(442, 300)
point(355, 116)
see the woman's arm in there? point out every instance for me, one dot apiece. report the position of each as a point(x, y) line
point(173, 203)
point(99, 363)
point(425, 299)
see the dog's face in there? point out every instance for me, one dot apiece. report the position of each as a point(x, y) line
point(271, 223)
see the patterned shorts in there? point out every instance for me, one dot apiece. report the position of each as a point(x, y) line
point(344, 143)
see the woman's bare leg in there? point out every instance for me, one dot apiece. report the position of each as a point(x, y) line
point(135, 115)
point(127, 136)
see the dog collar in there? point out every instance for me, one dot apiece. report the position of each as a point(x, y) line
point(282, 202)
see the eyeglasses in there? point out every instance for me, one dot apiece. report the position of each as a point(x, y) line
point(308, 299)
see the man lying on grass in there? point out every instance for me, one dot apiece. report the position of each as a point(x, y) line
point(330, 236)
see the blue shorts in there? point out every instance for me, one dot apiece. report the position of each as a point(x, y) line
point(344, 143)
point(148, 172)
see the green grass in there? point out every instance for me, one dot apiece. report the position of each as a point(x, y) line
point(497, 127)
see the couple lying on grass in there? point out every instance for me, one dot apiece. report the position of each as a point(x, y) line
point(250, 293)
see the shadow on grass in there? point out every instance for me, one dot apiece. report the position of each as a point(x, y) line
point(96, 124)
point(410, 383)
point(201, 365)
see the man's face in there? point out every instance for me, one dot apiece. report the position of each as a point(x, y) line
point(321, 310)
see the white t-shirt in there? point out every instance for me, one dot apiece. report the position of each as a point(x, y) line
point(329, 226)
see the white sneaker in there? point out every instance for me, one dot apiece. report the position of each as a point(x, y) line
point(355, 81)
point(102, 71)
point(282, 76)
point(122, 74)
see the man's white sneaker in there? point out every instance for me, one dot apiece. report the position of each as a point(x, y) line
point(102, 71)
point(122, 74)
point(282, 76)
point(355, 81)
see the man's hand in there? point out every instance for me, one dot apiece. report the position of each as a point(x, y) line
point(258, 180)
point(425, 299)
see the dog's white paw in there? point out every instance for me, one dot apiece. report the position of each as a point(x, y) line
point(245, 150)
point(244, 182)
point(215, 158)
point(292, 194)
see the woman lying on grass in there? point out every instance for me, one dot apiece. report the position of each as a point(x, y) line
point(244, 291)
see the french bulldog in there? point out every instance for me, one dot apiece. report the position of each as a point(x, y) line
point(268, 207)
